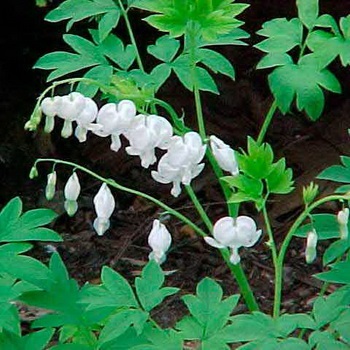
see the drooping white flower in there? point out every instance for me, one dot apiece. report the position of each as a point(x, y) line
point(181, 162)
point(71, 194)
point(115, 120)
point(234, 233)
point(145, 134)
point(159, 240)
point(224, 155)
point(311, 244)
point(104, 205)
point(70, 107)
point(50, 107)
point(343, 219)
point(51, 185)
point(85, 119)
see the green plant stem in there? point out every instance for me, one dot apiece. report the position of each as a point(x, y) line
point(116, 185)
point(283, 250)
point(202, 213)
point(131, 35)
point(236, 270)
point(271, 243)
point(267, 122)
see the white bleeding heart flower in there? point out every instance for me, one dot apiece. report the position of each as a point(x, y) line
point(70, 107)
point(181, 162)
point(159, 240)
point(224, 155)
point(343, 219)
point(51, 185)
point(311, 244)
point(85, 120)
point(234, 233)
point(115, 120)
point(104, 206)
point(71, 194)
point(147, 133)
point(50, 107)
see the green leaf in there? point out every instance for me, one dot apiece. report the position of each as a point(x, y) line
point(78, 10)
point(280, 179)
point(325, 341)
point(101, 74)
point(308, 12)
point(120, 322)
point(208, 308)
point(326, 310)
point(282, 35)
point(34, 272)
point(338, 274)
point(15, 227)
point(326, 226)
point(257, 162)
point(149, 286)
point(274, 59)
point(107, 23)
point(335, 250)
point(165, 48)
point(337, 173)
point(293, 344)
point(342, 326)
point(303, 80)
point(119, 288)
point(9, 320)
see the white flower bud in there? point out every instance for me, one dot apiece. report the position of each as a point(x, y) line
point(51, 185)
point(71, 194)
point(343, 219)
point(159, 240)
point(224, 155)
point(311, 244)
point(104, 205)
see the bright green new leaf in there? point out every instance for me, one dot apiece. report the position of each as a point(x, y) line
point(304, 80)
point(257, 162)
point(280, 179)
point(234, 37)
point(308, 12)
point(211, 17)
point(149, 286)
point(165, 48)
point(17, 227)
point(282, 35)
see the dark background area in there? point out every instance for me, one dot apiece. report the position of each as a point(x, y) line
point(239, 111)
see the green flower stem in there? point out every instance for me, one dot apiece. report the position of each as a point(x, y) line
point(131, 34)
point(282, 253)
point(236, 270)
point(199, 208)
point(116, 185)
point(267, 122)
point(271, 243)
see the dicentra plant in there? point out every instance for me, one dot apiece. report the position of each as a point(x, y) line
point(113, 94)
